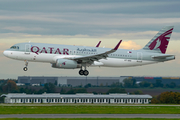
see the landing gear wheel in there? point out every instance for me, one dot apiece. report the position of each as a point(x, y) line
point(25, 68)
point(85, 73)
point(26, 64)
point(81, 72)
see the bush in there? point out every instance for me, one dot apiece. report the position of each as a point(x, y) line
point(138, 92)
point(116, 90)
point(154, 101)
point(167, 98)
point(74, 91)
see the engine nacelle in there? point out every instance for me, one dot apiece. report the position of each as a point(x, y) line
point(65, 64)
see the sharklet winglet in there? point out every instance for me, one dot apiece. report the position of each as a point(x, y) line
point(117, 46)
point(98, 44)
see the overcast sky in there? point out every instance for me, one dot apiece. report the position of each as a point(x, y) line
point(85, 22)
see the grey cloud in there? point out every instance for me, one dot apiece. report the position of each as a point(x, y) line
point(92, 18)
point(102, 6)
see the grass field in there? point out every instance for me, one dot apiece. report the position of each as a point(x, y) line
point(89, 109)
point(87, 119)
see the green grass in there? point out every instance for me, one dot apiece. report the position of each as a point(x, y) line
point(89, 109)
point(88, 119)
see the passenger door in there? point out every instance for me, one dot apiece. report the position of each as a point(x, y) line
point(139, 56)
point(27, 49)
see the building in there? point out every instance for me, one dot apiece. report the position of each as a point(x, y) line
point(20, 84)
point(164, 80)
point(76, 98)
point(73, 81)
point(94, 81)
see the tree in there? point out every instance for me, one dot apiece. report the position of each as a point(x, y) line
point(128, 83)
point(71, 91)
point(154, 101)
point(41, 91)
point(172, 85)
point(117, 84)
point(87, 85)
point(94, 92)
point(144, 84)
point(49, 88)
point(22, 90)
point(151, 86)
point(158, 83)
point(169, 98)
point(79, 90)
point(10, 86)
point(63, 91)
point(116, 90)
point(101, 85)
point(1, 99)
point(138, 92)
point(55, 83)
point(134, 82)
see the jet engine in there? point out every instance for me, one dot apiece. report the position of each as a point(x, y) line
point(66, 64)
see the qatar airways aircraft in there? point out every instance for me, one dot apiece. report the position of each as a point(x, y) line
point(71, 57)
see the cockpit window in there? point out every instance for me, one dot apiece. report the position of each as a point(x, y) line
point(14, 47)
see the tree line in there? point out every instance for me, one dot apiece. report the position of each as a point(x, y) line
point(127, 83)
point(11, 87)
point(132, 83)
point(164, 98)
point(167, 98)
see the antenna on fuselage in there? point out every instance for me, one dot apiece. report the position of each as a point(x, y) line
point(29, 41)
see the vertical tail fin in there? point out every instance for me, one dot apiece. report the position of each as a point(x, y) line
point(160, 41)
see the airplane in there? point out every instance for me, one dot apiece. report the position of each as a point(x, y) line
point(72, 57)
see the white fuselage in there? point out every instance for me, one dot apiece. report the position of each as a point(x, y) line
point(51, 58)
point(72, 57)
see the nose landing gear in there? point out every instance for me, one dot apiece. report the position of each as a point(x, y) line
point(26, 64)
point(25, 68)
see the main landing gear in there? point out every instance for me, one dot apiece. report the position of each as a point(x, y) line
point(26, 64)
point(83, 72)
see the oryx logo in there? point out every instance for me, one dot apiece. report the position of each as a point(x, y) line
point(64, 63)
point(158, 43)
point(161, 42)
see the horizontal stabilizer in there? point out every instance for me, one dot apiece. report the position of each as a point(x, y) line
point(162, 56)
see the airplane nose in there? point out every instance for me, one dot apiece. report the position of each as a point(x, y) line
point(5, 53)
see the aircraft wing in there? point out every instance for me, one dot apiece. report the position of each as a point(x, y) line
point(91, 58)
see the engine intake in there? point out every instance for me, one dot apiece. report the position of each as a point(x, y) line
point(66, 64)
